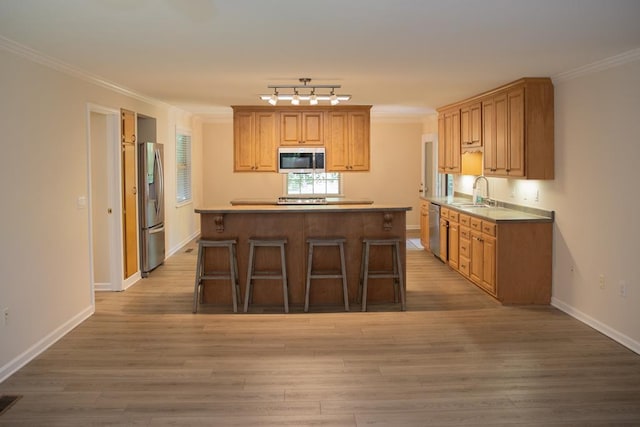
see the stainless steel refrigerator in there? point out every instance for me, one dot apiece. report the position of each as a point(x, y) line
point(151, 202)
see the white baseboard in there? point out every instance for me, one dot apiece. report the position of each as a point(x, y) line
point(129, 281)
point(13, 366)
point(180, 245)
point(621, 338)
point(102, 287)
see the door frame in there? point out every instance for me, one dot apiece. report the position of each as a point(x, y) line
point(114, 196)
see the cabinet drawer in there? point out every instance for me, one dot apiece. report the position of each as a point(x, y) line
point(465, 248)
point(444, 213)
point(465, 233)
point(489, 228)
point(476, 223)
point(464, 219)
point(464, 266)
point(453, 216)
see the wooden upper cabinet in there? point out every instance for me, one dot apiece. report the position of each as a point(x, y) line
point(518, 136)
point(471, 126)
point(255, 141)
point(348, 140)
point(449, 156)
point(302, 128)
point(516, 132)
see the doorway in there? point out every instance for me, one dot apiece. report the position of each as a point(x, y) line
point(103, 149)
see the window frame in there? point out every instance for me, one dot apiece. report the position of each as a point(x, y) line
point(181, 134)
point(285, 184)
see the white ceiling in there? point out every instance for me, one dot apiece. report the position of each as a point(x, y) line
point(398, 55)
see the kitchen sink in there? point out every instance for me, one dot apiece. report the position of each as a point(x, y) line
point(469, 205)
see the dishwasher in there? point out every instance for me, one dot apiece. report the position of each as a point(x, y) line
point(434, 231)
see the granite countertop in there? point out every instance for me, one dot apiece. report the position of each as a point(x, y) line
point(273, 202)
point(272, 208)
point(502, 212)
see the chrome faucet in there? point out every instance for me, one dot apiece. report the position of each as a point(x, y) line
point(486, 181)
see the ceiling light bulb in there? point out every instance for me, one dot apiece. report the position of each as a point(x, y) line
point(334, 99)
point(273, 100)
point(313, 99)
point(295, 99)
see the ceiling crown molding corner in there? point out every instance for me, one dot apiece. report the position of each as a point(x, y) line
point(611, 62)
point(42, 59)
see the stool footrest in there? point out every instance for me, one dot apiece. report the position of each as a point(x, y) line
point(215, 277)
point(326, 276)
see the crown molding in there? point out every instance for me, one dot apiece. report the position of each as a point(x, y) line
point(611, 62)
point(42, 59)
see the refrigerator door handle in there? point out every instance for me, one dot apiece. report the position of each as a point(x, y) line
point(156, 230)
point(160, 195)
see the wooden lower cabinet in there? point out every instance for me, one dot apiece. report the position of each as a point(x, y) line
point(454, 240)
point(424, 225)
point(510, 260)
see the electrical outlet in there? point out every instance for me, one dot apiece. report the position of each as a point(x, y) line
point(537, 195)
point(601, 281)
point(623, 288)
point(5, 316)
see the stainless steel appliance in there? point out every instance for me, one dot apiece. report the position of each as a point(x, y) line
point(301, 159)
point(434, 232)
point(151, 202)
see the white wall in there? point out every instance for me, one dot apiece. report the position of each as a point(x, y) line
point(44, 260)
point(394, 177)
point(595, 196)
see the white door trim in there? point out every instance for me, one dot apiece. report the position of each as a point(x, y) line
point(114, 195)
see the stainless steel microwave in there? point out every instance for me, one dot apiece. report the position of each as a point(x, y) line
point(301, 159)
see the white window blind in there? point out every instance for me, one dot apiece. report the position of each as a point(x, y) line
point(183, 166)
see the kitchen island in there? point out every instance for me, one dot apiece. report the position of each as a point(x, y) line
point(297, 223)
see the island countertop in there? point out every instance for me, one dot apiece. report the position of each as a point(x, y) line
point(274, 208)
point(298, 223)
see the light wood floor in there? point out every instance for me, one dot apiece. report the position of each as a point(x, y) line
point(455, 358)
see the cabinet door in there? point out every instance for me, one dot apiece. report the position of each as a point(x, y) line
point(489, 264)
point(489, 135)
point(454, 242)
point(338, 149)
point(302, 128)
point(265, 150)
point(470, 126)
point(243, 144)
point(128, 126)
point(476, 124)
point(129, 193)
point(476, 272)
point(452, 141)
point(502, 123)
point(348, 142)
point(442, 163)
point(358, 141)
point(424, 225)
point(444, 241)
point(313, 128)
point(290, 128)
point(515, 126)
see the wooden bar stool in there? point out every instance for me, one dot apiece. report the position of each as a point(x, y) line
point(231, 274)
point(395, 273)
point(342, 274)
point(266, 274)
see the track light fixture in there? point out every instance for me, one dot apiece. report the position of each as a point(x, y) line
point(304, 92)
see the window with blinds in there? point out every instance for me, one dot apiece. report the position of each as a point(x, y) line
point(183, 166)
